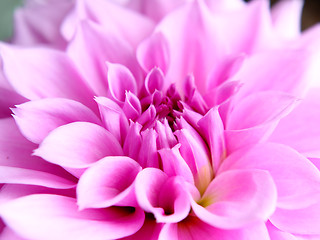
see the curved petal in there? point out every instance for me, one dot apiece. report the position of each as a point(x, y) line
point(155, 9)
point(276, 234)
point(149, 231)
point(195, 43)
point(37, 73)
point(36, 119)
point(108, 182)
point(286, 18)
point(174, 164)
point(16, 175)
point(298, 221)
point(152, 187)
point(237, 198)
point(296, 178)
point(78, 145)
point(16, 151)
point(154, 52)
point(99, 45)
point(193, 228)
point(54, 217)
point(300, 129)
point(133, 28)
point(212, 128)
point(28, 30)
point(120, 81)
point(279, 70)
point(254, 118)
point(113, 117)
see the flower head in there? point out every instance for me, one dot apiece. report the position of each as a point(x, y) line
point(159, 120)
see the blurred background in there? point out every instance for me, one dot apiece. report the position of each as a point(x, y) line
point(310, 15)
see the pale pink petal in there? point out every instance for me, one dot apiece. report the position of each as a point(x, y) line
point(298, 221)
point(173, 163)
point(222, 93)
point(97, 46)
point(108, 182)
point(254, 118)
point(36, 119)
point(152, 187)
point(113, 117)
point(219, 6)
point(155, 9)
point(14, 175)
point(243, 39)
point(55, 217)
point(286, 18)
point(276, 234)
point(37, 73)
point(227, 68)
point(120, 81)
point(16, 151)
point(195, 45)
point(78, 145)
point(193, 228)
point(279, 70)
point(110, 15)
point(300, 129)
point(237, 198)
point(28, 30)
point(296, 178)
point(212, 128)
point(154, 52)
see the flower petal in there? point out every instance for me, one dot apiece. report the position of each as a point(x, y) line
point(195, 44)
point(152, 187)
point(113, 117)
point(36, 119)
point(174, 164)
point(237, 198)
point(37, 73)
point(254, 118)
point(99, 45)
point(16, 151)
point(212, 128)
point(108, 182)
point(110, 15)
point(120, 81)
point(16, 175)
point(300, 129)
point(279, 70)
point(296, 178)
point(78, 145)
point(28, 30)
point(298, 221)
point(57, 217)
point(286, 18)
point(193, 228)
point(154, 52)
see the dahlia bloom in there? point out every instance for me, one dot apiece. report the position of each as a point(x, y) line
point(159, 119)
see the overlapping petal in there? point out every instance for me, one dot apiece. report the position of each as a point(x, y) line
point(43, 216)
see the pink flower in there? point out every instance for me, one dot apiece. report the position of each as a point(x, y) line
point(159, 120)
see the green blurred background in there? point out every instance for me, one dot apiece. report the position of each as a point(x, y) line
point(311, 14)
point(6, 10)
